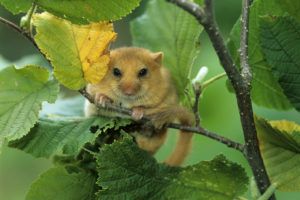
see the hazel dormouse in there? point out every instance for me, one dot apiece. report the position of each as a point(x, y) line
point(137, 80)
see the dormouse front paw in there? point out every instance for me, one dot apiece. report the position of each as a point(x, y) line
point(102, 99)
point(137, 113)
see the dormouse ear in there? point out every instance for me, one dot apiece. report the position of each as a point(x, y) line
point(157, 57)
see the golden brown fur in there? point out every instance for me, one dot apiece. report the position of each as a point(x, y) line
point(152, 95)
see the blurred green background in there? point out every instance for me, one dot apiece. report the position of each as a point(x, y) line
point(218, 107)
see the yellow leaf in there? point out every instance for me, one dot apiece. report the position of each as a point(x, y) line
point(78, 53)
point(92, 42)
point(286, 126)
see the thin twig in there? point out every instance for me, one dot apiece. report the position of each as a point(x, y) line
point(212, 80)
point(241, 87)
point(197, 92)
point(246, 71)
point(199, 130)
point(209, 134)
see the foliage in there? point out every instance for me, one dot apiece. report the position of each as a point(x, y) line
point(79, 11)
point(126, 172)
point(280, 38)
point(280, 146)
point(94, 158)
point(61, 136)
point(59, 183)
point(22, 93)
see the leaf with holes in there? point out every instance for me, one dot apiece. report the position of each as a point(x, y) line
point(127, 172)
point(22, 93)
point(280, 147)
point(79, 54)
point(65, 135)
point(165, 27)
point(280, 41)
point(79, 11)
point(266, 91)
point(61, 184)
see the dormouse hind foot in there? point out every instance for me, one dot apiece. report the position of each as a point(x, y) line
point(101, 99)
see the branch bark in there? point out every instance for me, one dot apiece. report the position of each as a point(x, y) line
point(246, 110)
point(240, 81)
point(246, 71)
point(197, 92)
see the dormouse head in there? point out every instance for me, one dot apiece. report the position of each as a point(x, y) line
point(133, 71)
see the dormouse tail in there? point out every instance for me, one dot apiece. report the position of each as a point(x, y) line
point(184, 141)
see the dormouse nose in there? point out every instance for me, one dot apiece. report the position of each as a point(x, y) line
point(129, 88)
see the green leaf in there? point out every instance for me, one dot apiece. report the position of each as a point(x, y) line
point(167, 28)
point(17, 6)
point(290, 6)
point(280, 41)
point(84, 11)
point(280, 147)
point(127, 172)
point(22, 92)
point(77, 11)
point(61, 136)
point(59, 184)
point(266, 91)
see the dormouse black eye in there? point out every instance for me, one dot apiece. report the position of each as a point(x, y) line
point(143, 72)
point(117, 72)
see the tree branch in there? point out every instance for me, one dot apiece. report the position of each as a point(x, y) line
point(246, 110)
point(246, 71)
point(240, 82)
point(198, 130)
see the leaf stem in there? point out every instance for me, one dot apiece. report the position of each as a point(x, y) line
point(269, 192)
point(212, 80)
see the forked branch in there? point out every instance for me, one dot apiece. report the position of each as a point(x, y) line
point(240, 81)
